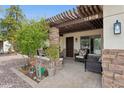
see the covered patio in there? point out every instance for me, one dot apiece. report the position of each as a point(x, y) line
point(78, 28)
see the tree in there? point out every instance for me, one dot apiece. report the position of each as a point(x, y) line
point(2, 33)
point(12, 22)
point(1, 36)
point(31, 37)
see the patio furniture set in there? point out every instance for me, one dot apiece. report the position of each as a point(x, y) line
point(92, 62)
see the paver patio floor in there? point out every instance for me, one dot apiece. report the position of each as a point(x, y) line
point(71, 76)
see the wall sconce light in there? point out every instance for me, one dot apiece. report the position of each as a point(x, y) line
point(76, 39)
point(117, 27)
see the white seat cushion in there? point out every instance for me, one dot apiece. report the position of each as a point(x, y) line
point(79, 56)
point(60, 59)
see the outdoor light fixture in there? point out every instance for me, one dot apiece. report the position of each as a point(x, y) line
point(117, 27)
point(76, 39)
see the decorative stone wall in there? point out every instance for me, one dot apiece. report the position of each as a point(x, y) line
point(113, 68)
point(54, 35)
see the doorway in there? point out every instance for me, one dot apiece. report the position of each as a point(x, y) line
point(69, 46)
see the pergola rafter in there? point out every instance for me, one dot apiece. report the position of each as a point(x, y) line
point(82, 17)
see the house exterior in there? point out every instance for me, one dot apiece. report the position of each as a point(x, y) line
point(113, 51)
point(79, 25)
point(83, 27)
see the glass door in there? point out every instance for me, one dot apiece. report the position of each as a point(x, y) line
point(85, 42)
point(93, 43)
point(97, 45)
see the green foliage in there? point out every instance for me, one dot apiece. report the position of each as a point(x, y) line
point(12, 21)
point(53, 52)
point(1, 37)
point(1, 34)
point(31, 37)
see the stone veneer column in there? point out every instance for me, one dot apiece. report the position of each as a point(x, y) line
point(54, 35)
point(113, 68)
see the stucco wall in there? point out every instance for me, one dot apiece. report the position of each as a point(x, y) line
point(78, 35)
point(61, 43)
point(111, 14)
point(113, 52)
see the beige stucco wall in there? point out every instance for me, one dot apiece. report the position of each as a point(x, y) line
point(61, 43)
point(111, 14)
point(78, 35)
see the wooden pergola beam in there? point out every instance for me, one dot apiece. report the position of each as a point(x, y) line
point(76, 13)
point(81, 27)
point(79, 21)
point(83, 17)
point(84, 13)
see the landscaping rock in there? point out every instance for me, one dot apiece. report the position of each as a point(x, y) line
point(8, 79)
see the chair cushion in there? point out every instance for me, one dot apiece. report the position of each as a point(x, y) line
point(79, 56)
point(82, 52)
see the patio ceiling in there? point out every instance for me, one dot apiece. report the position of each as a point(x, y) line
point(84, 17)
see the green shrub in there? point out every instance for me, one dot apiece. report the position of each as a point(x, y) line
point(31, 37)
point(53, 52)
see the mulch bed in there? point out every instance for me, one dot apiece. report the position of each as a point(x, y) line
point(28, 73)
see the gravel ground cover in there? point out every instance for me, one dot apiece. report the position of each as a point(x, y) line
point(8, 79)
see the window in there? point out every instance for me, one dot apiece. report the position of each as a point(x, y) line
point(91, 42)
point(85, 42)
point(97, 45)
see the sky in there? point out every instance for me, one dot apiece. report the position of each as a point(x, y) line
point(39, 11)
